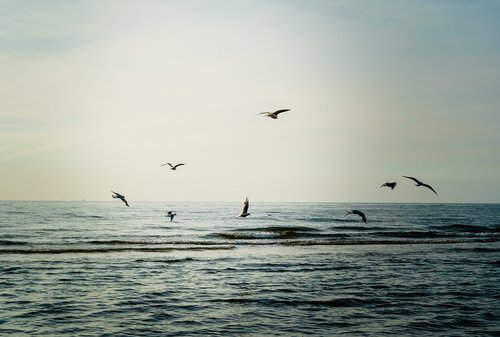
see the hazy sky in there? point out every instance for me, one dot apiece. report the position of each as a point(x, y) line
point(95, 95)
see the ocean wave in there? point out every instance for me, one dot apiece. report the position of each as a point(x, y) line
point(231, 240)
point(282, 236)
point(169, 261)
point(271, 232)
point(415, 234)
point(122, 242)
point(479, 249)
point(145, 242)
point(352, 228)
point(12, 243)
point(468, 228)
point(419, 241)
point(283, 229)
point(244, 236)
point(94, 250)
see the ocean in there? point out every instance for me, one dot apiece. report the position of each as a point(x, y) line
point(289, 269)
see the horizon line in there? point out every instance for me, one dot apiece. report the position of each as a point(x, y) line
point(291, 202)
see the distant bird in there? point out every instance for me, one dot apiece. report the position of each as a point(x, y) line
point(419, 183)
point(391, 185)
point(274, 115)
point(245, 213)
point(121, 197)
point(361, 214)
point(172, 167)
point(170, 215)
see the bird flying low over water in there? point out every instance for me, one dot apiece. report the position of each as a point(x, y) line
point(274, 115)
point(245, 213)
point(170, 215)
point(419, 183)
point(121, 197)
point(361, 214)
point(172, 167)
point(391, 185)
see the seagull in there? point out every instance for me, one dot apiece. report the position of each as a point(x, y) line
point(419, 183)
point(274, 115)
point(245, 213)
point(121, 197)
point(361, 214)
point(391, 185)
point(172, 167)
point(170, 215)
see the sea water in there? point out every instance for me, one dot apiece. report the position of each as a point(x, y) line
point(291, 269)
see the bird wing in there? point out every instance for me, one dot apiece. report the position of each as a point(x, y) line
point(280, 111)
point(430, 187)
point(245, 206)
point(384, 184)
point(176, 166)
point(414, 179)
point(361, 214)
point(163, 164)
point(117, 195)
point(125, 201)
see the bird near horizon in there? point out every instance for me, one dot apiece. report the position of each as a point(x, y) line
point(274, 115)
point(173, 167)
point(121, 197)
point(419, 183)
point(245, 213)
point(391, 185)
point(361, 214)
point(170, 215)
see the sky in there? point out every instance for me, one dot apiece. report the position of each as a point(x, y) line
point(96, 95)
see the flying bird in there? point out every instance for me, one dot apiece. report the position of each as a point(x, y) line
point(274, 115)
point(121, 197)
point(172, 167)
point(419, 183)
point(391, 185)
point(245, 213)
point(361, 214)
point(170, 215)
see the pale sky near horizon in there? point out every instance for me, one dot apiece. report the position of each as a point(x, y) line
point(96, 95)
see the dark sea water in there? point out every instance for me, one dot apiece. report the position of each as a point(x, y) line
point(291, 269)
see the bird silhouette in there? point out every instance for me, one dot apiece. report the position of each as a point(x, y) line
point(274, 115)
point(172, 167)
point(170, 215)
point(121, 197)
point(361, 214)
point(245, 213)
point(391, 185)
point(419, 183)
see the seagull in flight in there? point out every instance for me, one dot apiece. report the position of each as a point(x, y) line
point(361, 214)
point(170, 215)
point(172, 167)
point(419, 183)
point(274, 115)
point(391, 185)
point(119, 196)
point(245, 213)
